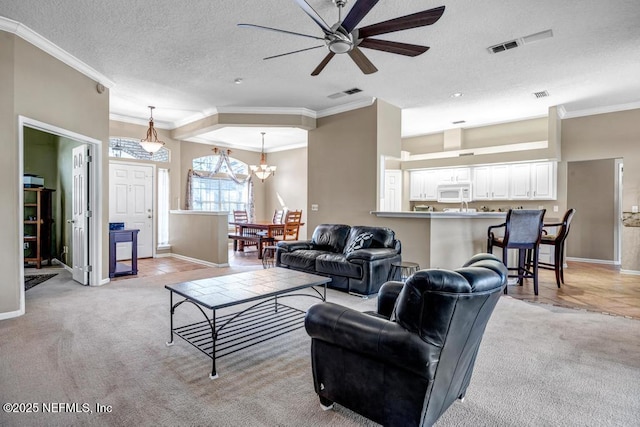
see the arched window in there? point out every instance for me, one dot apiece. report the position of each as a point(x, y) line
point(220, 183)
point(128, 148)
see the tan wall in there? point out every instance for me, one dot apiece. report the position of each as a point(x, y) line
point(289, 184)
point(37, 86)
point(342, 168)
point(200, 236)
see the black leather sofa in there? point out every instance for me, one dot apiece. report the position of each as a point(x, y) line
point(357, 259)
point(405, 364)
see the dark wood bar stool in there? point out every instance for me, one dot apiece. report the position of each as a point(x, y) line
point(522, 231)
point(557, 240)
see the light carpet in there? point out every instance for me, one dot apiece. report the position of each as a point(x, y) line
point(538, 365)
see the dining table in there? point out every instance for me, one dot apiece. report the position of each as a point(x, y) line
point(258, 231)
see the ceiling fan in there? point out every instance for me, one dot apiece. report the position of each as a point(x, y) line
point(344, 37)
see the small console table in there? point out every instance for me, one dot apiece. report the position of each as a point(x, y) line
point(120, 268)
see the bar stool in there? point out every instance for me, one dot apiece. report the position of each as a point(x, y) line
point(403, 269)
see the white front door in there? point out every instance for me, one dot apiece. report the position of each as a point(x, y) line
point(392, 191)
point(131, 202)
point(80, 219)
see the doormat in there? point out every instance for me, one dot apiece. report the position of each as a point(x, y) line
point(36, 279)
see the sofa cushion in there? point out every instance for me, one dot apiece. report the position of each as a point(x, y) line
point(382, 237)
point(336, 264)
point(302, 259)
point(330, 237)
point(362, 241)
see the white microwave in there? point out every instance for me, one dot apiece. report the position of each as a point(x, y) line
point(454, 192)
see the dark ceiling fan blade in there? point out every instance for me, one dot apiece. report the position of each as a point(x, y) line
point(357, 13)
point(394, 47)
point(323, 64)
point(314, 15)
point(362, 61)
point(419, 19)
point(278, 30)
point(295, 51)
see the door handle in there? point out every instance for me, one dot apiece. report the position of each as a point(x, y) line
point(71, 221)
point(150, 216)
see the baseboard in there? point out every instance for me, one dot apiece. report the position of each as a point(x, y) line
point(631, 272)
point(62, 264)
point(11, 314)
point(199, 261)
point(593, 261)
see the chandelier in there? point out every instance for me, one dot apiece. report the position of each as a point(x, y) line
point(263, 171)
point(151, 144)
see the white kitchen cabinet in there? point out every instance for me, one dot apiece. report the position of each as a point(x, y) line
point(520, 181)
point(543, 181)
point(455, 174)
point(423, 184)
point(533, 181)
point(491, 182)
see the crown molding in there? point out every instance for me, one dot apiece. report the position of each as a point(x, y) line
point(142, 122)
point(200, 140)
point(601, 110)
point(345, 107)
point(52, 49)
point(268, 110)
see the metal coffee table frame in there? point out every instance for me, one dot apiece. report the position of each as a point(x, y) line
point(219, 336)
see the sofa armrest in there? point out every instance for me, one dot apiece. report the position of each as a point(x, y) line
point(294, 245)
point(371, 254)
point(387, 297)
point(373, 337)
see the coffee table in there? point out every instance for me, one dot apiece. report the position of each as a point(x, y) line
point(268, 318)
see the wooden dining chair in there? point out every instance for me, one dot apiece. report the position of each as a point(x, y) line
point(522, 231)
point(242, 217)
point(278, 216)
point(557, 240)
point(293, 216)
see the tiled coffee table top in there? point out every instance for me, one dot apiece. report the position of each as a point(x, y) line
point(224, 291)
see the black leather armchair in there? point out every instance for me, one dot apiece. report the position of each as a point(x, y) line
point(405, 364)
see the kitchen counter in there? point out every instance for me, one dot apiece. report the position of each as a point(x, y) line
point(439, 214)
point(440, 239)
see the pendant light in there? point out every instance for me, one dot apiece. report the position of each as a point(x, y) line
point(151, 144)
point(263, 171)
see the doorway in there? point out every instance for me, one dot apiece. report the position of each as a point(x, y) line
point(131, 202)
point(593, 190)
point(93, 240)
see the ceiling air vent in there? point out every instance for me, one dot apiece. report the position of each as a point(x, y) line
point(345, 93)
point(352, 91)
point(542, 94)
point(503, 46)
point(459, 122)
point(531, 38)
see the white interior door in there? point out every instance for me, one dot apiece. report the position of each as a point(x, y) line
point(131, 202)
point(79, 219)
point(392, 191)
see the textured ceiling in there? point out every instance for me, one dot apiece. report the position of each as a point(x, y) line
point(183, 58)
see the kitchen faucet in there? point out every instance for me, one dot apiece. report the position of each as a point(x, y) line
point(464, 206)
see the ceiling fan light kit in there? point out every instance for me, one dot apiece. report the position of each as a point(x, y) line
point(344, 37)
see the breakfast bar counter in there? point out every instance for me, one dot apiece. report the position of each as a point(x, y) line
point(440, 239)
